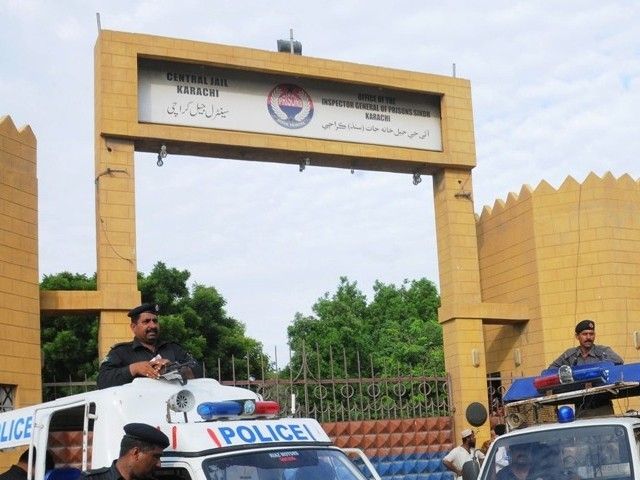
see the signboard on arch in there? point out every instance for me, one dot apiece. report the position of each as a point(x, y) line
point(192, 95)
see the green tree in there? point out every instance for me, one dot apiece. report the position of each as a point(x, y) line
point(396, 333)
point(404, 328)
point(69, 343)
point(165, 286)
point(339, 321)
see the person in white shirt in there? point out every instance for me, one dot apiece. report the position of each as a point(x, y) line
point(456, 458)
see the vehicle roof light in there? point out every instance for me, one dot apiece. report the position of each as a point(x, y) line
point(590, 374)
point(547, 382)
point(565, 374)
point(237, 408)
point(566, 414)
point(267, 407)
point(569, 378)
point(209, 410)
point(249, 407)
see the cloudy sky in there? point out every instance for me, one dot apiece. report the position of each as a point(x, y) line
point(556, 92)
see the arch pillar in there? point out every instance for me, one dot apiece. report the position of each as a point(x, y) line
point(460, 292)
point(115, 239)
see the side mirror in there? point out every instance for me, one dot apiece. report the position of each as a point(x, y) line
point(470, 470)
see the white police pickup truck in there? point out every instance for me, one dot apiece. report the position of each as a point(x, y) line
point(546, 440)
point(599, 448)
point(216, 432)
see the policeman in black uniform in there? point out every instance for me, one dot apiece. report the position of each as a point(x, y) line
point(146, 355)
point(19, 470)
point(140, 451)
point(588, 352)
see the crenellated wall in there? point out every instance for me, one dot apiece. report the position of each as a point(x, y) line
point(19, 287)
point(568, 253)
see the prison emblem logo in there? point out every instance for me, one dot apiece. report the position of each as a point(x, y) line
point(290, 105)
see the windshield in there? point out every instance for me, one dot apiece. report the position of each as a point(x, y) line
point(283, 464)
point(565, 454)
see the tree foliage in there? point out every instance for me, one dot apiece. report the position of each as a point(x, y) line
point(194, 317)
point(397, 333)
point(69, 343)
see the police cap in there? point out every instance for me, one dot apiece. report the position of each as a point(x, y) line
point(146, 433)
point(585, 325)
point(145, 307)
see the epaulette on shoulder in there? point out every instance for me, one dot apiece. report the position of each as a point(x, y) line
point(97, 471)
point(121, 344)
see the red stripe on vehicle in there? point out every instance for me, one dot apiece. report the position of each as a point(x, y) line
point(214, 438)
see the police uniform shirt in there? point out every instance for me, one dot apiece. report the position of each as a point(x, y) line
point(106, 473)
point(114, 370)
point(14, 473)
point(598, 353)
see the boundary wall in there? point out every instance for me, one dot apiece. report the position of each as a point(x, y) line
point(19, 282)
point(568, 253)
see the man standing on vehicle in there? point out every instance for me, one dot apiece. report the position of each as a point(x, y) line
point(456, 458)
point(140, 451)
point(587, 351)
point(146, 355)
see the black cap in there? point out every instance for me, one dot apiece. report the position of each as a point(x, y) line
point(585, 325)
point(146, 433)
point(145, 307)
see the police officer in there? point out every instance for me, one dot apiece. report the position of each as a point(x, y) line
point(140, 451)
point(146, 355)
point(19, 470)
point(594, 405)
point(587, 351)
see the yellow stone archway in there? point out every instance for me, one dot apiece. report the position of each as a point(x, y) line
point(125, 122)
point(513, 281)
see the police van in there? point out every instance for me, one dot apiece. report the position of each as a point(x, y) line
point(216, 432)
point(562, 426)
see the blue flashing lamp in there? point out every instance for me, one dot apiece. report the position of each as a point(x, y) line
point(590, 374)
point(209, 410)
point(566, 414)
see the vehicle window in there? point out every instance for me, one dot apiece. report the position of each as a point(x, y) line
point(171, 473)
point(66, 440)
point(601, 452)
point(284, 464)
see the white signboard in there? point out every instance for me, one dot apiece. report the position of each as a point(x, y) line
point(209, 97)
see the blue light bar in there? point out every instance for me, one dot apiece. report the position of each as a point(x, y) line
point(590, 374)
point(209, 410)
